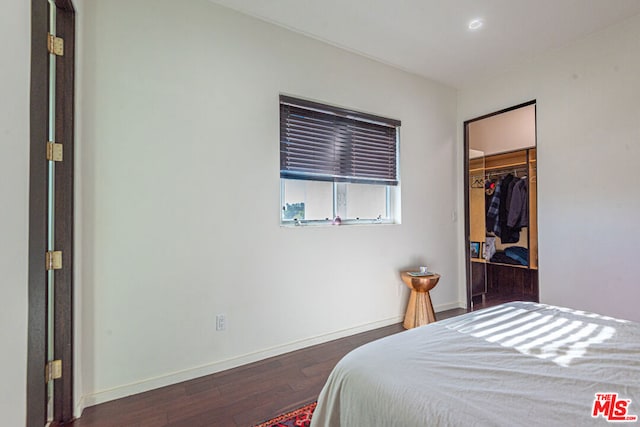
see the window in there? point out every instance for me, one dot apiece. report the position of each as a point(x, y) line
point(337, 163)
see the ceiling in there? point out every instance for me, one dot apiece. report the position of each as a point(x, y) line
point(431, 38)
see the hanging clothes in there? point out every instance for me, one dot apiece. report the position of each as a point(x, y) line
point(518, 215)
point(489, 189)
point(509, 195)
point(507, 234)
point(504, 207)
point(494, 209)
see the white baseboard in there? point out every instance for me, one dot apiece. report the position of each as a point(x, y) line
point(449, 306)
point(77, 410)
point(212, 368)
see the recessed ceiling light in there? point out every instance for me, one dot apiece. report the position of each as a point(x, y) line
point(476, 24)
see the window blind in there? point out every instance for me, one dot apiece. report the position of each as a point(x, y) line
point(324, 143)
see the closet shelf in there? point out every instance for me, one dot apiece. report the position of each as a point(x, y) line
point(484, 261)
point(507, 166)
point(511, 165)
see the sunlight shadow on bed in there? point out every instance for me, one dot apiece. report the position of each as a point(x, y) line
point(561, 340)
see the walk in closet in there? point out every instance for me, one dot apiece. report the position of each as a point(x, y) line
point(501, 207)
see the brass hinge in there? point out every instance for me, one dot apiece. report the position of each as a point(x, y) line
point(53, 260)
point(53, 370)
point(55, 45)
point(54, 151)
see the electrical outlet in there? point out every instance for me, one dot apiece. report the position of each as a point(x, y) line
point(221, 322)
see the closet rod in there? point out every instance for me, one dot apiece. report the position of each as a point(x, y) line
point(516, 171)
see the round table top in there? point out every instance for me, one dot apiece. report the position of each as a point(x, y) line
point(420, 283)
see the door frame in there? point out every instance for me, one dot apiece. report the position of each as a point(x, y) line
point(467, 222)
point(64, 201)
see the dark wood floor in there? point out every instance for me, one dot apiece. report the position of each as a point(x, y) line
point(496, 298)
point(243, 396)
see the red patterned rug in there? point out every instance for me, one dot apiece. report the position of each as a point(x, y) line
point(301, 417)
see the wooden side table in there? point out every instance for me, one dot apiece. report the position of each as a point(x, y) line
point(419, 310)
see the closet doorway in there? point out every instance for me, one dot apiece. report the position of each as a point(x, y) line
point(501, 207)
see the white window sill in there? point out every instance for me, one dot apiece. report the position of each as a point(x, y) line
point(304, 224)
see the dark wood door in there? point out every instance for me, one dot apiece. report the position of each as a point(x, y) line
point(51, 200)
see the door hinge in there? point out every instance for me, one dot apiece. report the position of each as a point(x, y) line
point(54, 151)
point(53, 370)
point(55, 45)
point(53, 260)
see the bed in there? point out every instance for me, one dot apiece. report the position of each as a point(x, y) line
point(518, 363)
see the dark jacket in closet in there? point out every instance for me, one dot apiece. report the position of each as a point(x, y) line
point(507, 234)
point(518, 216)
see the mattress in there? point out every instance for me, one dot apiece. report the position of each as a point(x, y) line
point(518, 363)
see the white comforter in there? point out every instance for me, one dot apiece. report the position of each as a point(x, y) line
point(515, 364)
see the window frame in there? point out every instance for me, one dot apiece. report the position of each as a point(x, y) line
point(339, 184)
point(389, 217)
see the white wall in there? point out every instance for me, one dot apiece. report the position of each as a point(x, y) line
point(14, 217)
point(588, 113)
point(180, 196)
point(79, 328)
